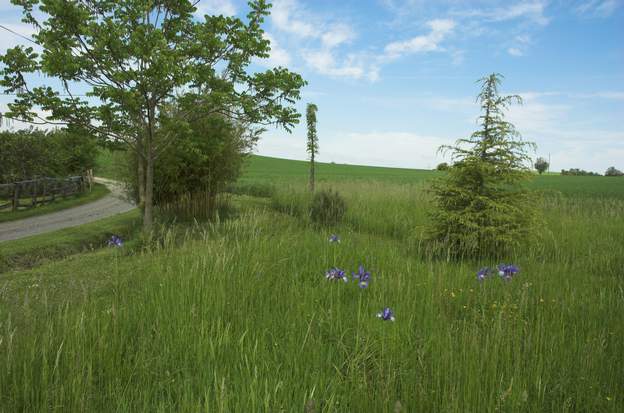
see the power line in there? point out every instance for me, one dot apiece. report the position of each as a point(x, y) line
point(18, 34)
point(59, 95)
point(34, 42)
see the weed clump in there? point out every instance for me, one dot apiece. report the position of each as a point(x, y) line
point(327, 208)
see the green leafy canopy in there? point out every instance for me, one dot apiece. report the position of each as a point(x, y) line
point(133, 55)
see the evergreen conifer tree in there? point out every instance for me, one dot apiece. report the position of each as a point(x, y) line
point(483, 209)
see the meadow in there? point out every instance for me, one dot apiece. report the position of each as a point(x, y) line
point(236, 315)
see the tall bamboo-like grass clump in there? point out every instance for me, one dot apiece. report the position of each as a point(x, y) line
point(482, 207)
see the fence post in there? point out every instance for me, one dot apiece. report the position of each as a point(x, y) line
point(89, 178)
point(34, 193)
point(45, 191)
point(16, 193)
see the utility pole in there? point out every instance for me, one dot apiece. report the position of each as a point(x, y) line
point(548, 169)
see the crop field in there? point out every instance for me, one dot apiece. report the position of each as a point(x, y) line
point(237, 315)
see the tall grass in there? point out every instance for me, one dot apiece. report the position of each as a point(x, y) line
point(241, 318)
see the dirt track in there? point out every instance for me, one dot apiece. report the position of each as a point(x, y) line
point(112, 204)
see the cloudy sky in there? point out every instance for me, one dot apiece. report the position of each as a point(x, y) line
point(395, 79)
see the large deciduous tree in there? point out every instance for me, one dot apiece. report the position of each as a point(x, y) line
point(482, 207)
point(116, 64)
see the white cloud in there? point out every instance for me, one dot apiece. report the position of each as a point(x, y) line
point(215, 7)
point(531, 10)
point(598, 8)
point(601, 95)
point(353, 66)
point(439, 30)
point(285, 15)
point(609, 95)
point(548, 118)
point(520, 45)
point(325, 38)
point(289, 17)
point(457, 57)
point(380, 148)
point(278, 55)
point(387, 148)
point(534, 117)
point(338, 34)
point(573, 141)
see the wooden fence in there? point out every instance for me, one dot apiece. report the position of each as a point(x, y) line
point(29, 194)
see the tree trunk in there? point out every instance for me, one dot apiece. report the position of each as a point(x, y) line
point(148, 203)
point(312, 173)
point(149, 193)
point(141, 174)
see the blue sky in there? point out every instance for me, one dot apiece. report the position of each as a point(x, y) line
point(394, 79)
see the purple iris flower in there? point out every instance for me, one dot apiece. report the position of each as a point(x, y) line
point(507, 271)
point(386, 314)
point(115, 241)
point(362, 276)
point(335, 273)
point(483, 273)
point(333, 238)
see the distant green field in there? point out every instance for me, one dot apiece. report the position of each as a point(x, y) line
point(582, 186)
point(276, 171)
point(283, 171)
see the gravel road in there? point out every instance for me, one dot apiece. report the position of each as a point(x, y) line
point(112, 204)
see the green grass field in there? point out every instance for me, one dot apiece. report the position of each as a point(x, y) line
point(237, 316)
point(283, 172)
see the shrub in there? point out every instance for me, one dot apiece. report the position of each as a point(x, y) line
point(256, 189)
point(578, 172)
point(32, 153)
point(207, 158)
point(613, 172)
point(443, 166)
point(327, 208)
point(541, 165)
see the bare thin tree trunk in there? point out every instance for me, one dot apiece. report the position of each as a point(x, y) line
point(148, 216)
point(312, 172)
point(148, 204)
point(141, 180)
point(141, 172)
